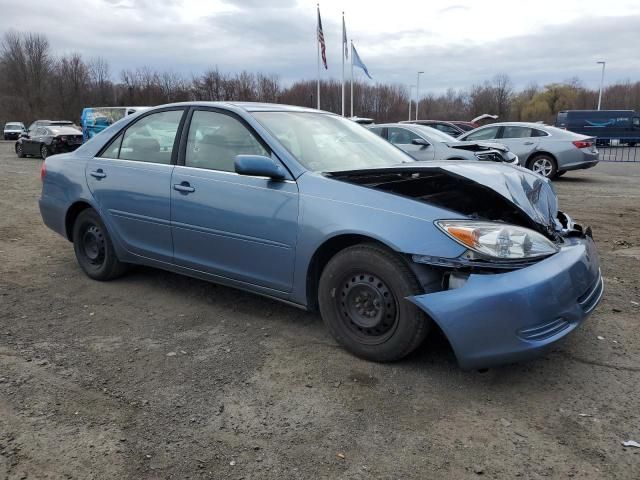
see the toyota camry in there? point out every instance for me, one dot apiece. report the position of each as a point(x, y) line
point(312, 209)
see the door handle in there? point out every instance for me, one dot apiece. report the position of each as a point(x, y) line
point(528, 143)
point(98, 174)
point(184, 187)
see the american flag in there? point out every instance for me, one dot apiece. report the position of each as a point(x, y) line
point(321, 41)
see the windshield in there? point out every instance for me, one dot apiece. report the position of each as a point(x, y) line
point(13, 126)
point(435, 135)
point(328, 143)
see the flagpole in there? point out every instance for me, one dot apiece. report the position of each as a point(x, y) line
point(342, 55)
point(352, 78)
point(318, 55)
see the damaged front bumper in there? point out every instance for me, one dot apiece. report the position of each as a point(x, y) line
point(501, 318)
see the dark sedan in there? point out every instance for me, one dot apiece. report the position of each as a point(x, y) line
point(49, 140)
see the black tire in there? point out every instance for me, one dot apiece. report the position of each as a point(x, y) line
point(94, 249)
point(44, 152)
point(544, 165)
point(19, 151)
point(362, 302)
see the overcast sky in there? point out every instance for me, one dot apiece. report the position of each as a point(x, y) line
point(457, 43)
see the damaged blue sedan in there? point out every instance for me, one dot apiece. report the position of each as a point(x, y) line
point(312, 209)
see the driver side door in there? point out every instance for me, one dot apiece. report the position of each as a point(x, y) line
point(238, 227)
point(403, 138)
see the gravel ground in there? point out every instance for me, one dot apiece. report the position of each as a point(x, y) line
point(160, 376)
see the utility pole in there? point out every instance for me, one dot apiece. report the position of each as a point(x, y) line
point(411, 87)
point(418, 94)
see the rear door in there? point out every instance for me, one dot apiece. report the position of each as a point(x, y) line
point(521, 140)
point(131, 181)
point(236, 226)
point(403, 138)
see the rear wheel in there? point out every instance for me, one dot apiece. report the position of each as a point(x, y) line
point(44, 152)
point(544, 165)
point(93, 247)
point(19, 150)
point(362, 295)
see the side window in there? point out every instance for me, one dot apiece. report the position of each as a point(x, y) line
point(113, 149)
point(636, 122)
point(215, 139)
point(448, 130)
point(377, 130)
point(151, 138)
point(538, 133)
point(488, 133)
point(516, 132)
point(401, 136)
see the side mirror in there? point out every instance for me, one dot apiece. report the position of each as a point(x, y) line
point(420, 141)
point(258, 166)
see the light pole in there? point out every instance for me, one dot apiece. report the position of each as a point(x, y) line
point(601, 84)
point(418, 94)
point(411, 87)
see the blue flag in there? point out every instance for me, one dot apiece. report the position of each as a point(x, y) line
point(355, 59)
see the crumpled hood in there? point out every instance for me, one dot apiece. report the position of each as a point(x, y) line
point(483, 145)
point(464, 186)
point(531, 192)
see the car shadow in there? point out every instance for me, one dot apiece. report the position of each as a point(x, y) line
point(434, 354)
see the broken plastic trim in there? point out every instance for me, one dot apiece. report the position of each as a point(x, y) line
point(471, 260)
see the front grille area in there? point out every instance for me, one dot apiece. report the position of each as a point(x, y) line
point(543, 331)
point(590, 299)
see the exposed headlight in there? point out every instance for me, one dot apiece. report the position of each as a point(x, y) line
point(498, 240)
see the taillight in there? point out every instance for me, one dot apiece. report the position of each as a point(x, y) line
point(582, 144)
point(43, 170)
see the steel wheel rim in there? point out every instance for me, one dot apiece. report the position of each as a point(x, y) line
point(19, 149)
point(93, 245)
point(368, 308)
point(44, 152)
point(543, 166)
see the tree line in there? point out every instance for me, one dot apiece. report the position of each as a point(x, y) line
point(36, 83)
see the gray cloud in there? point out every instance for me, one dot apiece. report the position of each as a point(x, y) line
point(282, 41)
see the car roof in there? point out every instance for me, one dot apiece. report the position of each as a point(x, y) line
point(251, 106)
point(516, 124)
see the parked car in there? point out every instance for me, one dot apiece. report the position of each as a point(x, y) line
point(95, 119)
point(606, 125)
point(445, 127)
point(466, 126)
point(44, 123)
point(13, 130)
point(426, 143)
point(47, 140)
point(546, 150)
point(312, 209)
point(362, 120)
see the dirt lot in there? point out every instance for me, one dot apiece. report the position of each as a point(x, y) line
point(160, 376)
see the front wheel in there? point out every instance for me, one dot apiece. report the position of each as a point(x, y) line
point(544, 165)
point(44, 152)
point(362, 296)
point(19, 150)
point(94, 249)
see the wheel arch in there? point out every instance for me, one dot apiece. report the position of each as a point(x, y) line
point(539, 153)
point(72, 214)
point(324, 253)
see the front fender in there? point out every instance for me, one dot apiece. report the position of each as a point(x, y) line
point(329, 208)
